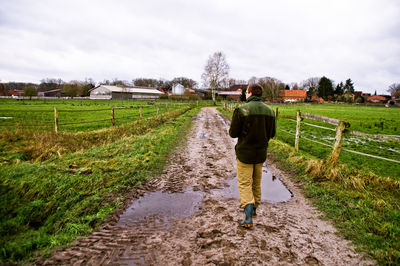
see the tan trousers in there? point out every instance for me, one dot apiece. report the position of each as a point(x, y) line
point(249, 182)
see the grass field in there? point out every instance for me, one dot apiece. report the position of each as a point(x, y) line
point(362, 202)
point(49, 201)
point(373, 120)
point(78, 115)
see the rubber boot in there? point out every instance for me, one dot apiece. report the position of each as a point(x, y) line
point(248, 222)
point(254, 213)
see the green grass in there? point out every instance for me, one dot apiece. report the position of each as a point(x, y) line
point(78, 115)
point(50, 203)
point(362, 119)
point(373, 120)
point(363, 205)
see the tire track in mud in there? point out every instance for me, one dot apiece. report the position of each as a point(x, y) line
point(283, 233)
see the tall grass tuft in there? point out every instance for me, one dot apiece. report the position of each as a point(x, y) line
point(35, 146)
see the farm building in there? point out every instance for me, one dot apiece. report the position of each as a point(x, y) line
point(233, 92)
point(16, 93)
point(379, 98)
point(178, 89)
point(107, 92)
point(292, 95)
point(51, 93)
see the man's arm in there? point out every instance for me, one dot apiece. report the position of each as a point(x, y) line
point(235, 128)
point(273, 131)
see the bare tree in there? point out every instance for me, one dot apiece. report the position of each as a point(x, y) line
point(216, 73)
point(394, 90)
point(311, 86)
point(253, 80)
point(271, 86)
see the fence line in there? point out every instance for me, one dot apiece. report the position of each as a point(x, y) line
point(327, 128)
point(83, 122)
point(351, 151)
point(340, 130)
point(158, 109)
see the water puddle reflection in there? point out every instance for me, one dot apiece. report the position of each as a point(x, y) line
point(272, 189)
point(162, 206)
point(202, 135)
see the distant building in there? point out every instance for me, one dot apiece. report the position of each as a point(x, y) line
point(234, 92)
point(51, 93)
point(114, 92)
point(16, 93)
point(178, 89)
point(188, 91)
point(292, 95)
point(379, 98)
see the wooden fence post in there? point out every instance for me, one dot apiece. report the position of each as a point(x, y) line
point(166, 107)
point(296, 142)
point(55, 120)
point(157, 109)
point(112, 116)
point(337, 145)
point(140, 112)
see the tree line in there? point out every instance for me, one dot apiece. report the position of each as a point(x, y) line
point(216, 77)
point(76, 88)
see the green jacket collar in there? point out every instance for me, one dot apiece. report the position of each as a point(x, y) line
point(253, 98)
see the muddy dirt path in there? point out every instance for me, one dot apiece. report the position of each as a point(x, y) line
point(190, 216)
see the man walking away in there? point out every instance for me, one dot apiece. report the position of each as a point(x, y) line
point(254, 125)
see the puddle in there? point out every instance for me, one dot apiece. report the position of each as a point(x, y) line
point(272, 189)
point(202, 135)
point(162, 206)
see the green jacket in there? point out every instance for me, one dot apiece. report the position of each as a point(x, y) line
point(254, 124)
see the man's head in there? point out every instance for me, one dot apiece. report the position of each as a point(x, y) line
point(254, 90)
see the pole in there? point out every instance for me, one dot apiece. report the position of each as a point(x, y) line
point(337, 145)
point(55, 120)
point(140, 112)
point(112, 116)
point(296, 142)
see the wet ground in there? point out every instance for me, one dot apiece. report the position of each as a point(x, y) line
point(190, 216)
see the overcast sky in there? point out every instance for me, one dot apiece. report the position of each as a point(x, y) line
point(290, 40)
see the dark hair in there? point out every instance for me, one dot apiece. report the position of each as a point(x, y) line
point(255, 89)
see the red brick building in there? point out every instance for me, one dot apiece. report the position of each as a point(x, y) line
point(292, 95)
point(378, 98)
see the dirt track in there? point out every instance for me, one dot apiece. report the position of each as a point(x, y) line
point(199, 227)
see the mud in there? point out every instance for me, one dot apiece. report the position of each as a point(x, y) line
point(190, 215)
point(272, 189)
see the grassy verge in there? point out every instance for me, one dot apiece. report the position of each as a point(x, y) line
point(365, 207)
point(50, 203)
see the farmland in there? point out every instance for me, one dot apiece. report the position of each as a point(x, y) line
point(56, 187)
point(77, 115)
point(372, 120)
point(360, 194)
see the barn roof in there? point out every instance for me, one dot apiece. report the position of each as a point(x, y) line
point(293, 93)
point(130, 89)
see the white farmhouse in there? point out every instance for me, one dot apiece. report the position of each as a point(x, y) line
point(107, 92)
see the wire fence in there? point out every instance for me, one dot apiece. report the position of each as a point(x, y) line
point(339, 140)
point(82, 119)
